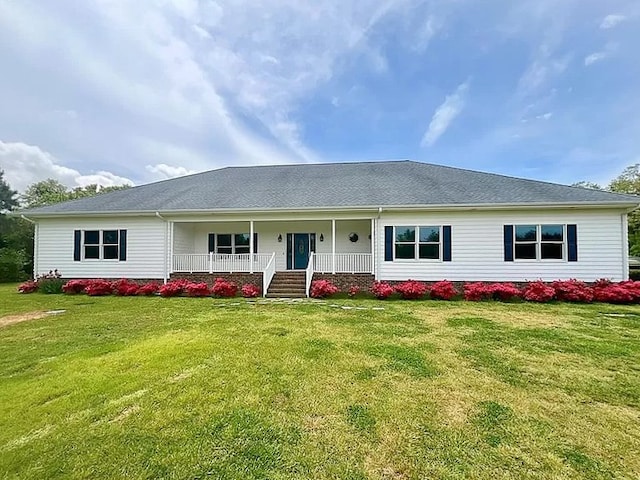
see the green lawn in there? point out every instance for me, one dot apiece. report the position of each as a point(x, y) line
point(201, 388)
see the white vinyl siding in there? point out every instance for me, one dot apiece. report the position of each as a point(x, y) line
point(145, 248)
point(477, 246)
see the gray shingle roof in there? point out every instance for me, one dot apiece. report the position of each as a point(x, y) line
point(367, 184)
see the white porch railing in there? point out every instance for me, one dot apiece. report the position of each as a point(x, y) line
point(309, 273)
point(268, 273)
point(220, 262)
point(344, 263)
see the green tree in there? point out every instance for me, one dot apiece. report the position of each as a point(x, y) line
point(629, 182)
point(50, 191)
point(13, 254)
point(8, 197)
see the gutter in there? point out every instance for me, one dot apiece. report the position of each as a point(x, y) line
point(28, 219)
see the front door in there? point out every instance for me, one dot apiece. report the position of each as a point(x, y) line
point(300, 250)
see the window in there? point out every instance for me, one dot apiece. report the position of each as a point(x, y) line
point(417, 242)
point(544, 242)
point(230, 243)
point(101, 244)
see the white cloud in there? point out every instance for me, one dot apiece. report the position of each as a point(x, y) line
point(445, 114)
point(165, 171)
point(26, 164)
point(611, 21)
point(594, 57)
point(545, 116)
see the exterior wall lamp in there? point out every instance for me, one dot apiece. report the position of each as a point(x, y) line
point(280, 238)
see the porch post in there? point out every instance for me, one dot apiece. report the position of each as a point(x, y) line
point(333, 246)
point(373, 246)
point(250, 246)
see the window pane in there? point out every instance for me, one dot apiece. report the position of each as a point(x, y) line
point(551, 250)
point(405, 251)
point(224, 240)
point(406, 234)
point(242, 249)
point(91, 252)
point(110, 237)
point(110, 252)
point(429, 234)
point(551, 233)
point(91, 237)
point(526, 250)
point(242, 239)
point(525, 233)
point(430, 251)
point(224, 250)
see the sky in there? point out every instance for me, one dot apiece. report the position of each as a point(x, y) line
point(116, 91)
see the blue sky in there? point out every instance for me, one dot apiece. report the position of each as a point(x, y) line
point(114, 91)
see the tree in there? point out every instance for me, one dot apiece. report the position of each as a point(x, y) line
point(50, 191)
point(585, 184)
point(8, 198)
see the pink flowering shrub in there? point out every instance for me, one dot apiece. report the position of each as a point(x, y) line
point(75, 286)
point(322, 289)
point(125, 287)
point(443, 290)
point(382, 290)
point(538, 292)
point(173, 288)
point(622, 292)
point(97, 288)
point(250, 290)
point(150, 288)
point(197, 289)
point(353, 291)
point(572, 291)
point(28, 287)
point(411, 290)
point(224, 289)
point(477, 291)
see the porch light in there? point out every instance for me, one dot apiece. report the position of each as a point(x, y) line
point(280, 238)
point(321, 237)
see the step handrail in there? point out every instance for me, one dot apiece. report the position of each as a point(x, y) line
point(268, 273)
point(309, 274)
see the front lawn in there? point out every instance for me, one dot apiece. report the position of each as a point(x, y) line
point(135, 387)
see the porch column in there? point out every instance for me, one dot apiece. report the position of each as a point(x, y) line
point(333, 246)
point(250, 246)
point(373, 246)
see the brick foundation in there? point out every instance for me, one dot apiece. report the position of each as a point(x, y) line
point(239, 278)
point(345, 280)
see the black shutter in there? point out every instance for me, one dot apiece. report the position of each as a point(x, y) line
point(446, 243)
point(255, 242)
point(123, 246)
point(508, 243)
point(289, 250)
point(388, 244)
point(212, 242)
point(572, 242)
point(77, 245)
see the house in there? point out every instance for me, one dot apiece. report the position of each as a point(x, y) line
point(352, 222)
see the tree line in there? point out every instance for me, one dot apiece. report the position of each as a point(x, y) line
point(16, 234)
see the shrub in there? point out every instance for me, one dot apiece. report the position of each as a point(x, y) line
point(474, 292)
point(28, 287)
point(125, 287)
point(150, 288)
point(197, 290)
point(173, 288)
point(50, 282)
point(222, 288)
point(353, 291)
point(250, 291)
point(75, 286)
point(381, 290)
point(504, 291)
point(411, 290)
point(634, 275)
point(572, 291)
point(97, 288)
point(538, 292)
point(623, 292)
point(443, 290)
point(322, 289)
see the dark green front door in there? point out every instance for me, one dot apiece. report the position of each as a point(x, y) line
point(300, 250)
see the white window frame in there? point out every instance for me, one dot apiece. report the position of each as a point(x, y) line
point(233, 244)
point(417, 243)
point(100, 245)
point(538, 243)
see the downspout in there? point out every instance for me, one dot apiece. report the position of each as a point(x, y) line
point(166, 247)
point(35, 245)
point(375, 246)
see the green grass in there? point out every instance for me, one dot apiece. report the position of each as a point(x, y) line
point(200, 388)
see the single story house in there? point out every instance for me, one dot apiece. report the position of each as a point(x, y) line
point(279, 226)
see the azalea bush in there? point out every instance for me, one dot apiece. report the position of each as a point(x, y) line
point(477, 291)
point(224, 289)
point(250, 291)
point(28, 287)
point(572, 291)
point(411, 290)
point(197, 289)
point(124, 287)
point(98, 288)
point(150, 288)
point(75, 286)
point(623, 292)
point(538, 292)
point(322, 289)
point(382, 290)
point(443, 290)
point(353, 291)
point(173, 288)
